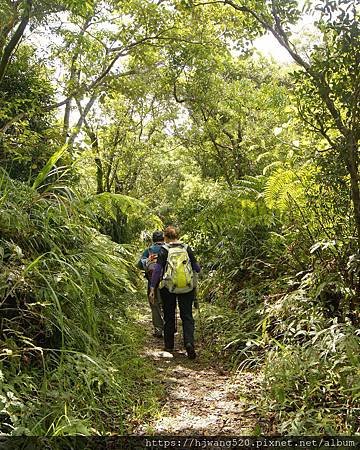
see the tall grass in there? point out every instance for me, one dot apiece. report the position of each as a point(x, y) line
point(277, 299)
point(69, 359)
point(309, 359)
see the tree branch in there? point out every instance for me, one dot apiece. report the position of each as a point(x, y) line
point(320, 128)
point(82, 89)
point(83, 113)
point(177, 99)
point(209, 3)
point(157, 37)
point(15, 39)
point(74, 75)
point(245, 9)
point(318, 78)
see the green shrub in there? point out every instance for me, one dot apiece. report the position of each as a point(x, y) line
point(314, 388)
point(69, 356)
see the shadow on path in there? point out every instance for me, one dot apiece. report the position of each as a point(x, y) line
point(200, 398)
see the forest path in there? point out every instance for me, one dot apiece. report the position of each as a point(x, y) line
point(201, 398)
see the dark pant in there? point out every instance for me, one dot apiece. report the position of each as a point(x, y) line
point(185, 302)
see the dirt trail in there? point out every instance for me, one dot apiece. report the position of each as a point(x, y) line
point(200, 399)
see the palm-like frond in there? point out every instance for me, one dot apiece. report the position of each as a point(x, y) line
point(281, 186)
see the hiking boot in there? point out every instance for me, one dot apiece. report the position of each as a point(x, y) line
point(169, 350)
point(190, 350)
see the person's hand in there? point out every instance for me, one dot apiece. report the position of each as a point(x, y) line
point(152, 296)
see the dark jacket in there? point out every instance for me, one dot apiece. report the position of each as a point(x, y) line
point(153, 249)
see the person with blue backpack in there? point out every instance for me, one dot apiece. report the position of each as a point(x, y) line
point(177, 266)
point(147, 263)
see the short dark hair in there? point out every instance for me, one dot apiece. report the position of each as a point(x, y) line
point(171, 232)
point(158, 236)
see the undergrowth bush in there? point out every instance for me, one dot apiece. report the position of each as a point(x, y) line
point(72, 392)
point(279, 295)
point(309, 358)
point(233, 333)
point(68, 354)
point(311, 366)
point(314, 388)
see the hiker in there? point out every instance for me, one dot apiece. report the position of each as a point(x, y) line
point(147, 263)
point(176, 263)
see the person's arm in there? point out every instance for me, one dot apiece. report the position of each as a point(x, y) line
point(158, 269)
point(142, 261)
point(194, 264)
point(157, 272)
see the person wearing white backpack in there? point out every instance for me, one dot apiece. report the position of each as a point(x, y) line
point(177, 265)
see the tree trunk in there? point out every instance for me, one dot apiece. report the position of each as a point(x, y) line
point(83, 113)
point(15, 39)
point(73, 79)
point(98, 163)
point(99, 176)
point(353, 169)
point(66, 120)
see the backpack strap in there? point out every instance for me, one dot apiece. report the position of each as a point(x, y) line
point(176, 244)
point(168, 246)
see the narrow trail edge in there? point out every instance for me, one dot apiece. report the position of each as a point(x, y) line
point(200, 399)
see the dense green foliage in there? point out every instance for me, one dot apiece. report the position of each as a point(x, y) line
point(67, 342)
point(139, 114)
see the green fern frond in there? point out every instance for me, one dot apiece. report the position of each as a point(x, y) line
point(280, 187)
point(124, 203)
point(272, 166)
point(250, 186)
point(129, 206)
